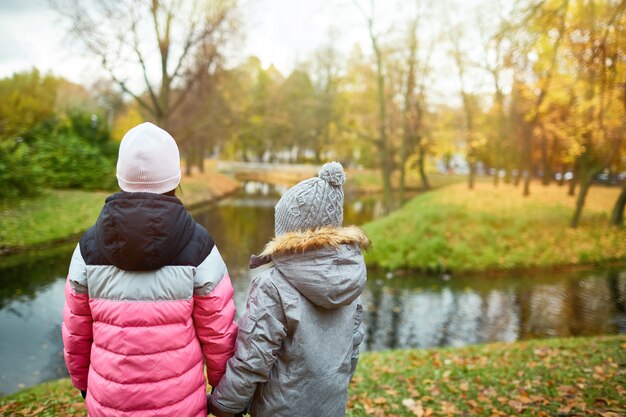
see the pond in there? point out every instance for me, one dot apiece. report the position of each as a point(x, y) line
point(401, 312)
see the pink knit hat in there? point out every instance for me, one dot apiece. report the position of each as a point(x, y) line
point(148, 160)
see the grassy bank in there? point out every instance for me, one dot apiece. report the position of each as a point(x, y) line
point(359, 181)
point(56, 215)
point(488, 228)
point(583, 376)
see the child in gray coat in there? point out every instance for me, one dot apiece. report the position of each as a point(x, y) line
point(298, 341)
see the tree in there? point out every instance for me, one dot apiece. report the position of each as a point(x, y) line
point(297, 102)
point(469, 101)
point(169, 43)
point(26, 100)
point(595, 57)
point(414, 106)
point(381, 141)
point(328, 112)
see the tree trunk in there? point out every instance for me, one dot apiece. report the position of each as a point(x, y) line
point(385, 160)
point(617, 215)
point(571, 191)
point(422, 169)
point(386, 173)
point(545, 159)
point(496, 178)
point(188, 162)
point(527, 177)
point(572, 183)
point(585, 183)
point(409, 93)
point(507, 175)
point(471, 178)
point(402, 183)
point(528, 158)
point(201, 157)
point(517, 178)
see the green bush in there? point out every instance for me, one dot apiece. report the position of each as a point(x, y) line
point(19, 172)
point(68, 161)
point(71, 150)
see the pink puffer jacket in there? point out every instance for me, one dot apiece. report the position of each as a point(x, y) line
point(148, 304)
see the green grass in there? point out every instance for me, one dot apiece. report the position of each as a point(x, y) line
point(55, 215)
point(579, 376)
point(488, 228)
point(370, 181)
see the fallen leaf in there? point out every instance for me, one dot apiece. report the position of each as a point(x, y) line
point(414, 406)
point(518, 406)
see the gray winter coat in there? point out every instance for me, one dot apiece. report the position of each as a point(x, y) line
point(298, 341)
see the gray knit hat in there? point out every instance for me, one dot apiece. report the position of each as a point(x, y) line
point(312, 203)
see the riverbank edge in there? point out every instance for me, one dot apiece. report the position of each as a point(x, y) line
point(582, 370)
point(360, 182)
point(500, 272)
point(227, 189)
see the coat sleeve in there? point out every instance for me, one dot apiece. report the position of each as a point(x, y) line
point(214, 314)
point(77, 327)
point(357, 337)
point(262, 330)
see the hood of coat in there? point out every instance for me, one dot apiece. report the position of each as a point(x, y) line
point(325, 265)
point(142, 231)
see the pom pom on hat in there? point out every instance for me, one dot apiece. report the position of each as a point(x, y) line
point(332, 173)
point(312, 203)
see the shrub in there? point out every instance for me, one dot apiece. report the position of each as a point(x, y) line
point(68, 161)
point(19, 172)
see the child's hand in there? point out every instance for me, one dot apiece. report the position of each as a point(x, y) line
point(215, 411)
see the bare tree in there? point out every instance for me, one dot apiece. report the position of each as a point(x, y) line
point(382, 142)
point(167, 44)
point(414, 103)
point(467, 100)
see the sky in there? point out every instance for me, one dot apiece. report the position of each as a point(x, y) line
point(31, 36)
point(279, 32)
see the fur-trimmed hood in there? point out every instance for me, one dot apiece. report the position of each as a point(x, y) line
point(325, 265)
point(300, 242)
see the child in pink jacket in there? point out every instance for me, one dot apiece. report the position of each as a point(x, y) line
point(148, 296)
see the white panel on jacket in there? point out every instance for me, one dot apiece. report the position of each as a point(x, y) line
point(209, 273)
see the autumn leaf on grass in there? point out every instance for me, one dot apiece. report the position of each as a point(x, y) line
point(516, 405)
point(610, 414)
point(414, 406)
point(448, 408)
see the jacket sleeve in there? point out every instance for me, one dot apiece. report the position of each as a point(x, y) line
point(214, 314)
point(77, 323)
point(357, 337)
point(261, 332)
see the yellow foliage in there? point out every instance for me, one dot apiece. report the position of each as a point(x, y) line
point(126, 121)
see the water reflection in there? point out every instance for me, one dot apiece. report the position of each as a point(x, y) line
point(423, 312)
point(401, 312)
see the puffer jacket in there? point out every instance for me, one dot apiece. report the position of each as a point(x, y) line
point(148, 303)
point(298, 341)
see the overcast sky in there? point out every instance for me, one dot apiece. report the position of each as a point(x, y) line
point(279, 32)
